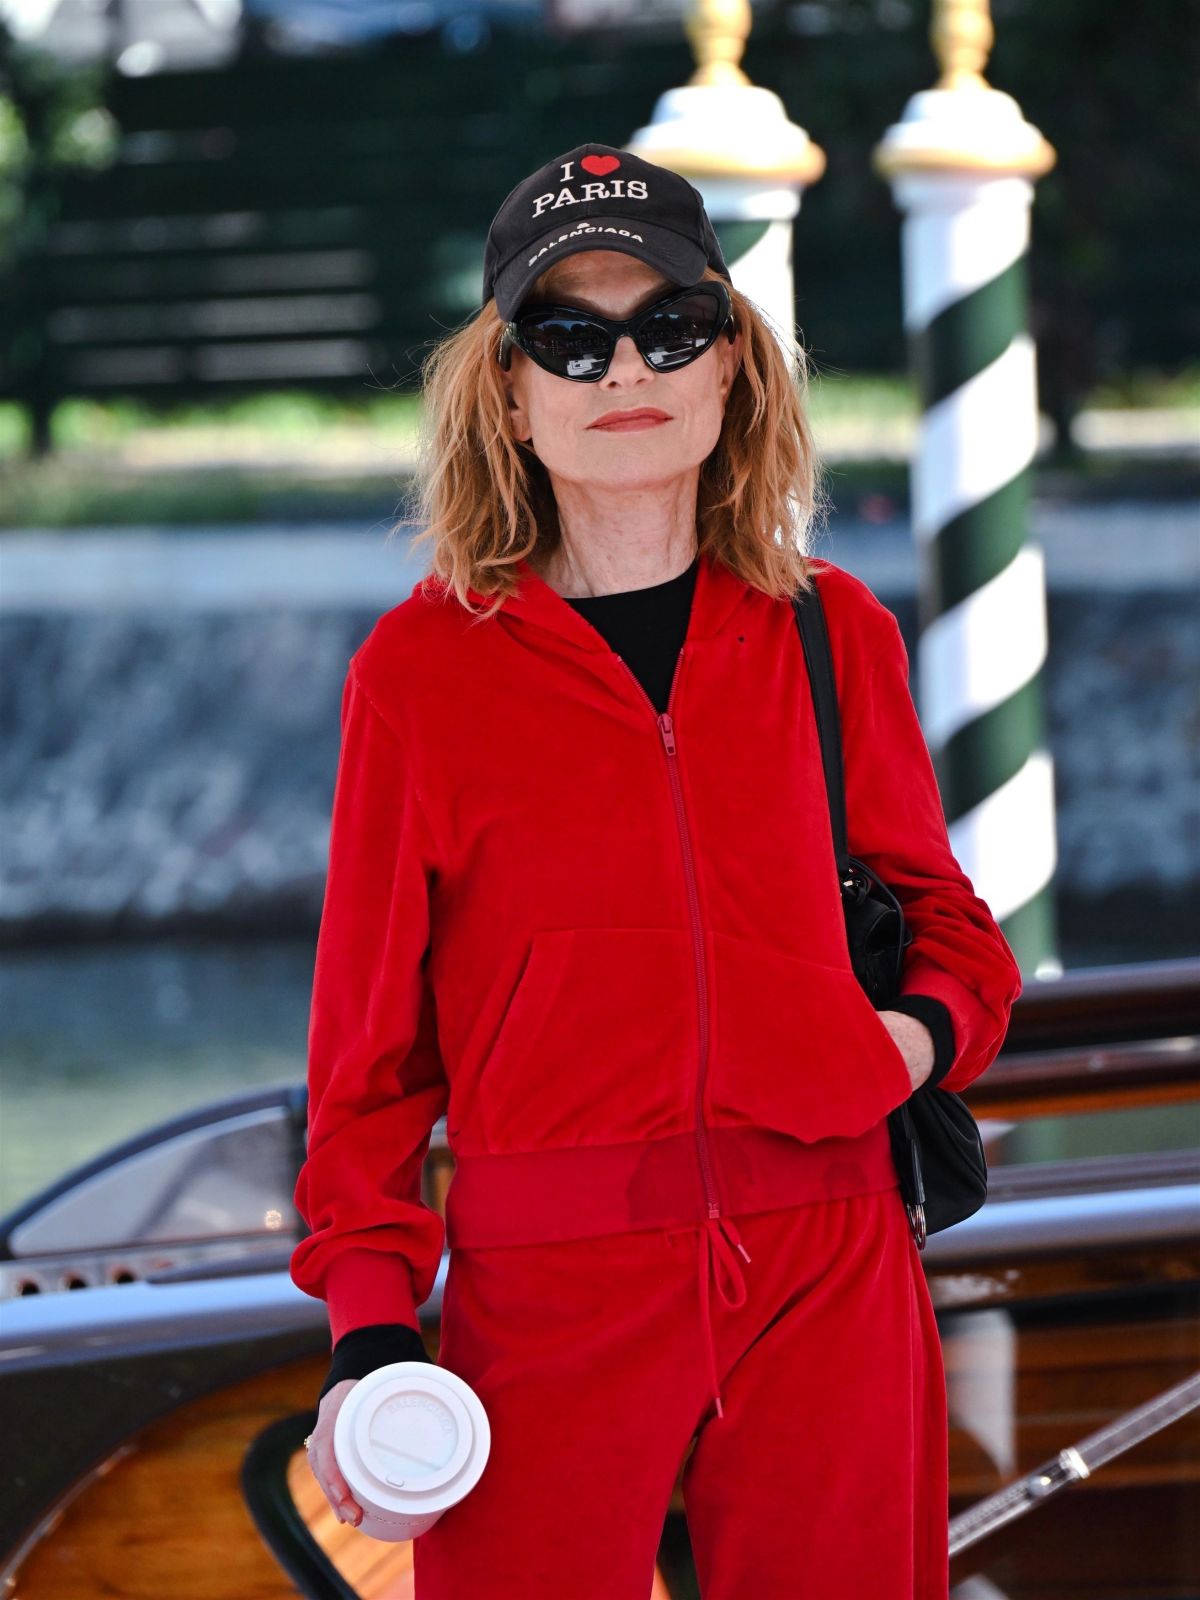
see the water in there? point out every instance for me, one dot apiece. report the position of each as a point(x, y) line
point(99, 1042)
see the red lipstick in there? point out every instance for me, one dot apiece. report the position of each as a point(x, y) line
point(627, 421)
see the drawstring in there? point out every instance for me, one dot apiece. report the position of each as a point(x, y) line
point(715, 1236)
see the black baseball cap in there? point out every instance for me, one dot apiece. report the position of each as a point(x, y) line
point(597, 197)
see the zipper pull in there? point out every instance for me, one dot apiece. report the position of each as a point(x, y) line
point(667, 729)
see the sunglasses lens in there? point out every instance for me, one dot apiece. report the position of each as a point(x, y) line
point(679, 333)
point(572, 347)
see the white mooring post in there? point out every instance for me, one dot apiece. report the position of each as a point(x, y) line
point(734, 141)
point(960, 162)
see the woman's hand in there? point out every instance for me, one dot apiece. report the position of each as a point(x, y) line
point(914, 1041)
point(321, 1458)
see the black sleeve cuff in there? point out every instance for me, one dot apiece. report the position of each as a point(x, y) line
point(362, 1350)
point(936, 1017)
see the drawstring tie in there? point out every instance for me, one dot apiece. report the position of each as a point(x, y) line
point(716, 1236)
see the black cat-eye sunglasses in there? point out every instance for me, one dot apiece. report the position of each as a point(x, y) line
point(578, 344)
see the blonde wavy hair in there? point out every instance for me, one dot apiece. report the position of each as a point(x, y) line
point(485, 500)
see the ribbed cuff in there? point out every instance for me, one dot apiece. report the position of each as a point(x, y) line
point(362, 1350)
point(935, 1014)
point(364, 1288)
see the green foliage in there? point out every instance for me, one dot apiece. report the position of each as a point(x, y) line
point(52, 120)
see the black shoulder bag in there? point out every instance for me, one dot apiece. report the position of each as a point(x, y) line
point(935, 1139)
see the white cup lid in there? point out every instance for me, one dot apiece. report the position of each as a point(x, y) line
point(408, 1430)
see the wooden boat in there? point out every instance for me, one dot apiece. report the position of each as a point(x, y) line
point(158, 1367)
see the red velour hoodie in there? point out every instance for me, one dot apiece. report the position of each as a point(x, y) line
point(608, 944)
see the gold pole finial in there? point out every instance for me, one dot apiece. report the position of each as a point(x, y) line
point(961, 33)
point(718, 30)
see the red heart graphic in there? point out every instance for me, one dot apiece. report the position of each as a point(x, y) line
point(600, 165)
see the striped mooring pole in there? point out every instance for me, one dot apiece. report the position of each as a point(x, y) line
point(960, 162)
point(734, 141)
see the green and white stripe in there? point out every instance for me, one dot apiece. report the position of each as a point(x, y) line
point(983, 637)
point(960, 161)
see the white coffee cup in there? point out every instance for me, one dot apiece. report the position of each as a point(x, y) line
point(411, 1439)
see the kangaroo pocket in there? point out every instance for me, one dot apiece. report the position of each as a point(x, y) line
point(796, 1045)
point(598, 1044)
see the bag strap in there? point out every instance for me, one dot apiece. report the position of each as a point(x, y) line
point(814, 636)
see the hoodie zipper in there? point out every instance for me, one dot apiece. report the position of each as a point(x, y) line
point(666, 729)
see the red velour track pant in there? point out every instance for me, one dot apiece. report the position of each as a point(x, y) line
point(819, 1470)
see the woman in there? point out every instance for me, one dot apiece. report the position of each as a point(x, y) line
point(582, 900)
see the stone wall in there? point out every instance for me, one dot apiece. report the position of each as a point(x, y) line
point(169, 707)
